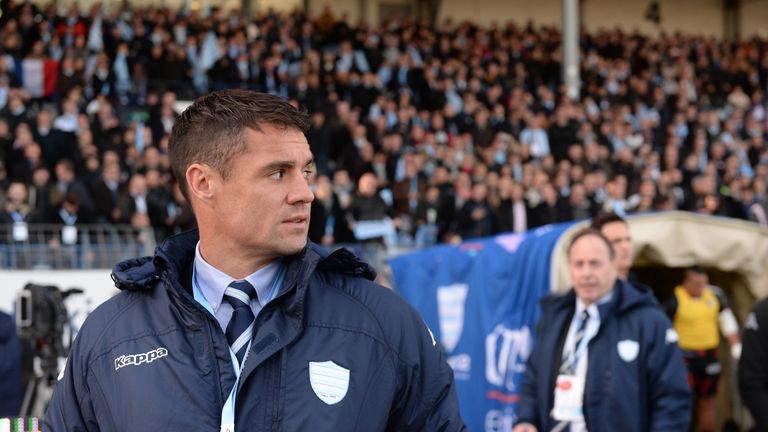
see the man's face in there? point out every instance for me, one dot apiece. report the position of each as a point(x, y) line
point(618, 234)
point(17, 194)
point(593, 273)
point(263, 206)
point(63, 174)
point(695, 283)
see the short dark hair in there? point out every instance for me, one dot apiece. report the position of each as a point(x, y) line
point(72, 198)
point(591, 232)
point(695, 269)
point(210, 130)
point(66, 164)
point(604, 218)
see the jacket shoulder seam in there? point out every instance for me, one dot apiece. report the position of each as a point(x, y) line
point(372, 316)
point(351, 330)
point(113, 320)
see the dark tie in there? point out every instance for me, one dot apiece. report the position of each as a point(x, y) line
point(568, 364)
point(240, 328)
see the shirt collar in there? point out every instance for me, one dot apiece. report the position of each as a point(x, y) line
point(212, 282)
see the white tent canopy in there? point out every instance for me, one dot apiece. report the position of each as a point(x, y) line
point(682, 239)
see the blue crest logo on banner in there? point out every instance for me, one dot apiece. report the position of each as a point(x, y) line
point(481, 299)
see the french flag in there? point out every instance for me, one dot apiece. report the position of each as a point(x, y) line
point(39, 76)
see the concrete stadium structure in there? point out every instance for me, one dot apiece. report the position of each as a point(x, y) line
point(711, 18)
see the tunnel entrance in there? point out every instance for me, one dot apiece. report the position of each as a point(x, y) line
point(663, 281)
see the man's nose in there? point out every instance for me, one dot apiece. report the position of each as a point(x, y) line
point(300, 192)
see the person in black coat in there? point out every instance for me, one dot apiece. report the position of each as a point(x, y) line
point(546, 212)
point(367, 204)
point(67, 182)
point(69, 212)
point(106, 193)
point(753, 365)
point(512, 212)
point(325, 209)
point(17, 208)
point(54, 143)
point(476, 217)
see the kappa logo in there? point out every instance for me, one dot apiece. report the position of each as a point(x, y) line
point(137, 359)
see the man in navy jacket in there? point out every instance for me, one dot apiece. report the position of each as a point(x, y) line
point(625, 357)
point(244, 325)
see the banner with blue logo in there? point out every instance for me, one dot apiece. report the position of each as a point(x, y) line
point(480, 299)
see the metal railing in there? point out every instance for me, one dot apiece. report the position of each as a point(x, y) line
point(101, 246)
point(93, 246)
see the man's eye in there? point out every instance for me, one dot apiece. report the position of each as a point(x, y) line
point(277, 175)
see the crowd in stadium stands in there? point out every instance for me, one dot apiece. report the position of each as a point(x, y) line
point(452, 132)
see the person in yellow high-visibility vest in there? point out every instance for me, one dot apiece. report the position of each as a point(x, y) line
point(699, 311)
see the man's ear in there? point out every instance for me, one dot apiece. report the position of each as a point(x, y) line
point(201, 181)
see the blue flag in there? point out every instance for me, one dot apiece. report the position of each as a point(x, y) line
point(480, 299)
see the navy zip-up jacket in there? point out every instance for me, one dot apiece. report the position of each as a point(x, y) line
point(152, 358)
point(625, 390)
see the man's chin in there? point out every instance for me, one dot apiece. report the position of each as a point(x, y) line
point(295, 247)
point(586, 294)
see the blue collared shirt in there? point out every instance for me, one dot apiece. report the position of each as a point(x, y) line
point(582, 356)
point(212, 283)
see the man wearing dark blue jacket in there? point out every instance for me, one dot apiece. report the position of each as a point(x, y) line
point(245, 326)
point(606, 358)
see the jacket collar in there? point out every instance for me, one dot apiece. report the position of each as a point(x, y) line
point(177, 252)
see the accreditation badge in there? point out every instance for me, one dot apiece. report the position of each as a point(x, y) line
point(20, 232)
point(69, 234)
point(569, 398)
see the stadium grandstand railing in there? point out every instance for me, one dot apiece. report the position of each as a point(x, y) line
point(86, 246)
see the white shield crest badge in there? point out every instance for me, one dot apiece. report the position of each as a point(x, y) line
point(329, 381)
point(628, 349)
point(450, 312)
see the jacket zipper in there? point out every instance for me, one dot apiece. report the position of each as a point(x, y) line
point(209, 331)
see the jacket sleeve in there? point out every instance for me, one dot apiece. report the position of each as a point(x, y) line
point(427, 399)
point(753, 366)
point(669, 396)
point(70, 408)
